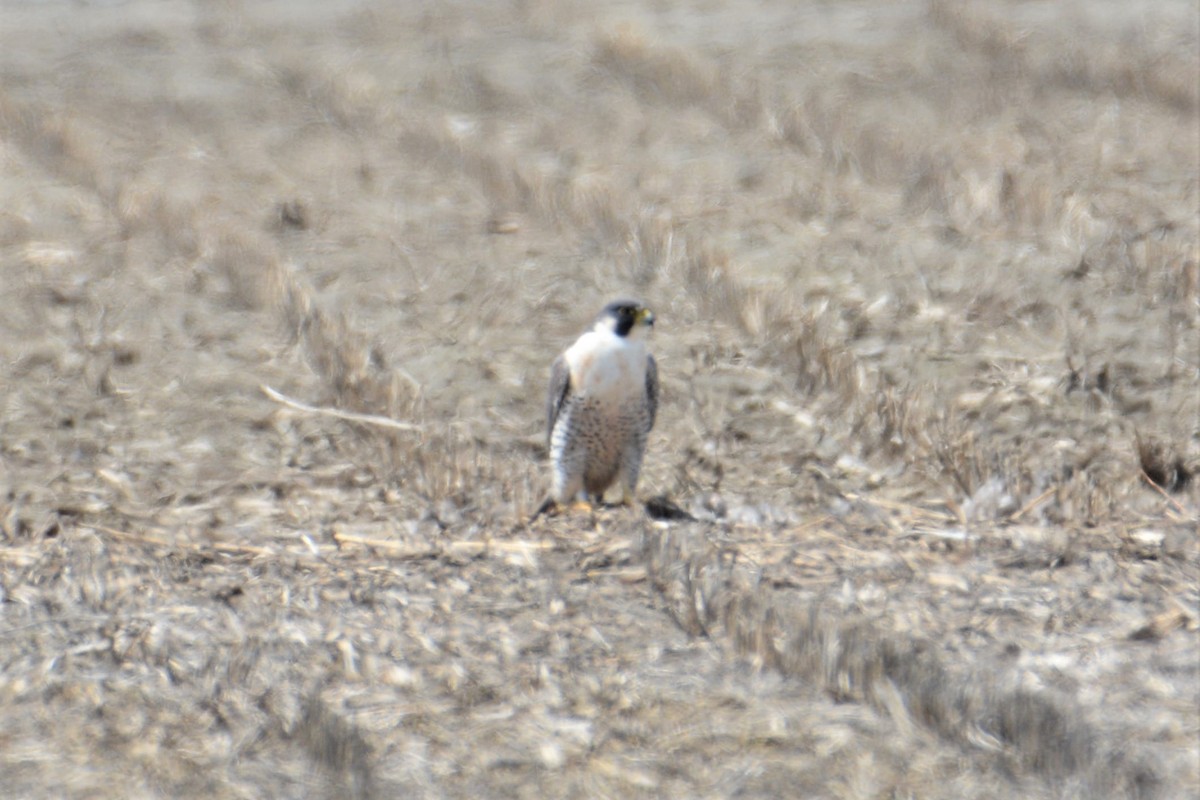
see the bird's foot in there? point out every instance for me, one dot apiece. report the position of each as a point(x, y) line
point(552, 508)
point(628, 500)
point(549, 507)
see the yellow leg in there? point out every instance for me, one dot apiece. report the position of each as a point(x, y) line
point(628, 496)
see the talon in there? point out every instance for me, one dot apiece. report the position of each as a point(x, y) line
point(549, 507)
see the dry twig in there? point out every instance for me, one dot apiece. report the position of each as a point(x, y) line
point(337, 413)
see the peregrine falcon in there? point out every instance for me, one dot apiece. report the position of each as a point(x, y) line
point(601, 406)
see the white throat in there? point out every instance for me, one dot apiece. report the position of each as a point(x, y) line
point(603, 364)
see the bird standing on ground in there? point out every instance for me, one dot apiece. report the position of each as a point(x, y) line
point(601, 406)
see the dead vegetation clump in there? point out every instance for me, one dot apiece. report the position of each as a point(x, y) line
point(658, 75)
point(854, 659)
point(1163, 466)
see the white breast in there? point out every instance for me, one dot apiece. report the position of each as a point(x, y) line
point(607, 367)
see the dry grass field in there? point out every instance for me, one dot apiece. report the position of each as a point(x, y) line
point(280, 284)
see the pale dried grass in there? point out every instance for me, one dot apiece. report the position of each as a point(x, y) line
point(856, 660)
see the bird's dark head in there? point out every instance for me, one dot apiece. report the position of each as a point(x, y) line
point(625, 318)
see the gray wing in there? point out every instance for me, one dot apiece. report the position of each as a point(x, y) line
point(560, 387)
point(651, 390)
